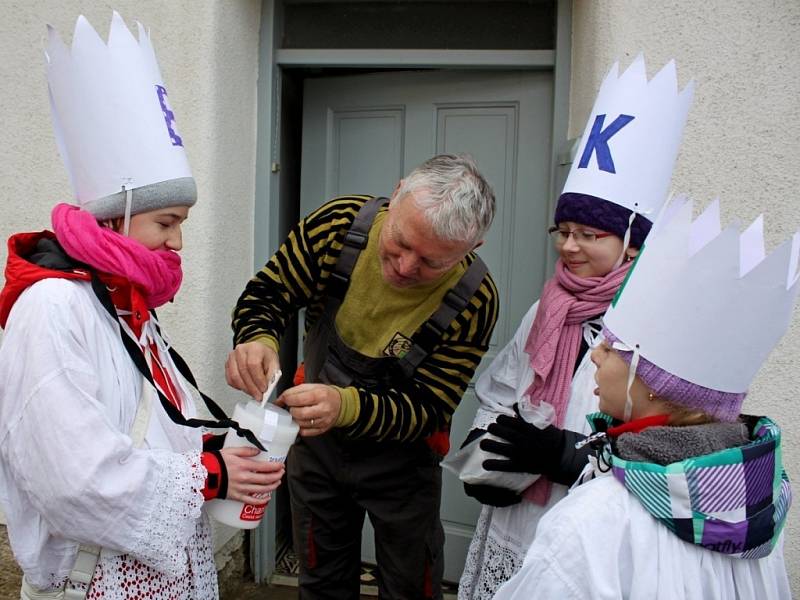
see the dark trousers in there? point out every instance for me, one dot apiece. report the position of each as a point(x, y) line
point(333, 482)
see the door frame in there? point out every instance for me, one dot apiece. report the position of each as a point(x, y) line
point(275, 179)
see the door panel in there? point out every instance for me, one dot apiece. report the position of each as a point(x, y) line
point(362, 133)
point(360, 138)
point(490, 130)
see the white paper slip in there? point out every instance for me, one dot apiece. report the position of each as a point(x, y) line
point(272, 383)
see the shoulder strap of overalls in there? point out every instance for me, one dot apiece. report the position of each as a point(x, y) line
point(355, 240)
point(431, 331)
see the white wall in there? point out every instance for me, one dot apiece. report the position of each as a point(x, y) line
point(742, 141)
point(208, 53)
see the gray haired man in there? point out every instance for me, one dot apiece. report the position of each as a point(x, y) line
point(399, 311)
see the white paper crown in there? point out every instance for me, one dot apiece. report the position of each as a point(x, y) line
point(630, 144)
point(114, 126)
point(703, 303)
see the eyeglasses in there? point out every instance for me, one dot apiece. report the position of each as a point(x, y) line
point(582, 237)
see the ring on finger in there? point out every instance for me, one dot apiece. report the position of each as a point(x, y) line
point(312, 422)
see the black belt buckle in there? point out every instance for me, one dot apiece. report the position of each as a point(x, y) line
point(356, 239)
point(337, 285)
point(454, 301)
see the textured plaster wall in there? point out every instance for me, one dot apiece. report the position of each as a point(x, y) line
point(742, 141)
point(208, 53)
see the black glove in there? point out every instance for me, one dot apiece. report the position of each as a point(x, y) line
point(491, 495)
point(488, 494)
point(528, 449)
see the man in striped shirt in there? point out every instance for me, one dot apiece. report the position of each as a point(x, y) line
point(399, 312)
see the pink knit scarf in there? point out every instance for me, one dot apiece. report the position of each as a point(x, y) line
point(157, 273)
point(555, 338)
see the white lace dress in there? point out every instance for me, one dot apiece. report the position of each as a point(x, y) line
point(69, 473)
point(503, 535)
point(122, 577)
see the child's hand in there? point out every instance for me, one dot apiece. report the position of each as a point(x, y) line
point(524, 447)
point(249, 480)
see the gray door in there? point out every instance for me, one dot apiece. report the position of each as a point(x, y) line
point(362, 133)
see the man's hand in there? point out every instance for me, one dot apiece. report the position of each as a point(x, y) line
point(249, 480)
point(250, 366)
point(314, 406)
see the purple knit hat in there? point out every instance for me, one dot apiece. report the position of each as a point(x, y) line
point(724, 406)
point(605, 215)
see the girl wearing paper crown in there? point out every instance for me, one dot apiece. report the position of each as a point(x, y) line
point(103, 471)
point(686, 498)
point(535, 394)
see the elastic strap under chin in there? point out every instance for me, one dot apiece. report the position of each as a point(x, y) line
point(128, 203)
point(626, 240)
point(631, 376)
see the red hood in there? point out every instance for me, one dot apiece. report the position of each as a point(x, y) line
point(20, 273)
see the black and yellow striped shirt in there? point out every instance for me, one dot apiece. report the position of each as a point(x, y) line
point(373, 311)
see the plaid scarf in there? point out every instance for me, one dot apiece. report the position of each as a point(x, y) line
point(733, 501)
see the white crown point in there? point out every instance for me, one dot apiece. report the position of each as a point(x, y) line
point(681, 220)
point(85, 40)
point(665, 82)
point(705, 227)
point(794, 273)
point(688, 91)
point(57, 50)
point(631, 87)
point(119, 36)
point(668, 211)
point(612, 76)
point(751, 246)
point(631, 140)
point(720, 254)
point(774, 269)
point(144, 34)
point(113, 122)
point(636, 71)
point(704, 304)
point(148, 53)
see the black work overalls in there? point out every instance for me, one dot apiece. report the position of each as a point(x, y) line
point(334, 480)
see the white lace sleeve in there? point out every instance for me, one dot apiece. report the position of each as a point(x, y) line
point(171, 518)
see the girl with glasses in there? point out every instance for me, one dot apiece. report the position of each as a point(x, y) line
point(547, 360)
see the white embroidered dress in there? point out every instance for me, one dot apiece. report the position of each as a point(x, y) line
point(503, 535)
point(69, 473)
